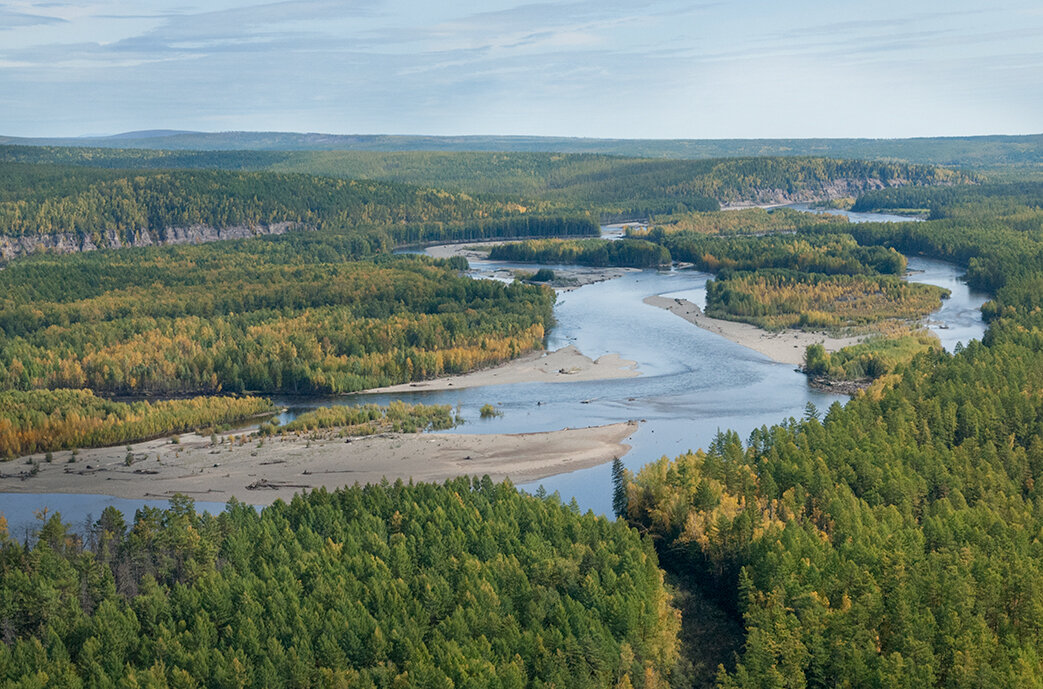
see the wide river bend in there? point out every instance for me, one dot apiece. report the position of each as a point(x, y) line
point(694, 383)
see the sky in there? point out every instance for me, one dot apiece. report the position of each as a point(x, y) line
point(592, 68)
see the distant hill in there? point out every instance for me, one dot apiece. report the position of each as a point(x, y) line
point(144, 134)
point(613, 186)
point(969, 151)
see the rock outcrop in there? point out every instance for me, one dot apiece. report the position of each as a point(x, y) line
point(70, 242)
point(813, 193)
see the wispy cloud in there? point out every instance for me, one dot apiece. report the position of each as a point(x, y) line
point(514, 66)
point(10, 19)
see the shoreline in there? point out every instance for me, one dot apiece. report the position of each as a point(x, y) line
point(259, 472)
point(785, 347)
point(567, 278)
point(565, 365)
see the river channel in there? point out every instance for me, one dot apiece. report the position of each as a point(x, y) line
point(693, 383)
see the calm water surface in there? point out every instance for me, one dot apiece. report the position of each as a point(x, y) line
point(693, 383)
point(856, 217)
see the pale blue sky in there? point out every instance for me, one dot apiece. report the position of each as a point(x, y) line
point(600, 68)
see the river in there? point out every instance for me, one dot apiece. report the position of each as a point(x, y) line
point(693, 384)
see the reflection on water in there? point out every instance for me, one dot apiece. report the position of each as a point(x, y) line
point(693, 383)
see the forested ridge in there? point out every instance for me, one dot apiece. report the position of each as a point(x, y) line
point(898, 540)
point(67, 209)
point(469, 584)
point(609, 185)
point(81, 200)
point(967, 151)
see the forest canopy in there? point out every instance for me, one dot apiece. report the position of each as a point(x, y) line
point(893, 541)
point(612, 186)
point(633, 253)
point(467, 584)
point(289, 314)
point(36, 421)
point(779, 299)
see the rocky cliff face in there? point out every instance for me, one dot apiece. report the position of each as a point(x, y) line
point(68, 242)
point(836, 189)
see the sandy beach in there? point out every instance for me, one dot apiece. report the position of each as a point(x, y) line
point(565, 365)
point(256, 472)
point(785, 347)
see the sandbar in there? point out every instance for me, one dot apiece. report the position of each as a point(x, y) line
point(565, 365)
point(786, 347)
point(259, 473)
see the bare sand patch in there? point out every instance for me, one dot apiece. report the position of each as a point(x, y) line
point(786, 347)
point(565, 365)
point(259, 473)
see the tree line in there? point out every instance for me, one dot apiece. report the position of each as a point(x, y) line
point(779, 299)
point(876, 357)
point(113, 208)
point(611, 186)
point(829, 254)
point(35, 421)
point(369, 419)
point(633, 253)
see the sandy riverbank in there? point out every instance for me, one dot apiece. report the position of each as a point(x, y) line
point(786, 347)
point(280, 467)
point(565, 365)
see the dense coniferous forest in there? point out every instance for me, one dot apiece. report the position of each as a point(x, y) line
point(997, 231)
point(894, 541)
point(158, 201)
point(614, 187)
point(283, 314)
point(633, 253)
point(829, 254)
point(113, 208)
point(778, 299)
point(877, 356)
point(36, 421)
point(469, 584)
point(753, 221)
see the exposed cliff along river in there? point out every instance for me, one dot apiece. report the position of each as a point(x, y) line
point(694, 383)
